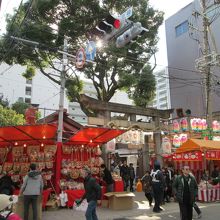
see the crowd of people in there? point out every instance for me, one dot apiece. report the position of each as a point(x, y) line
point(159, 185)
point(162, 185)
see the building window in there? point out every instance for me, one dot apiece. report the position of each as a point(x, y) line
point(28, 90)
point(182, 28)
point(28, 81)
point(27, 100)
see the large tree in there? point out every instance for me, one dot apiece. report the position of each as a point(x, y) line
point(47, 22)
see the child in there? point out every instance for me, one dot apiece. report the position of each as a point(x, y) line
point(6, 208)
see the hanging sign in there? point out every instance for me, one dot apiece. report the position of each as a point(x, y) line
point(190, 156)
point(212, 155)
point(80, 58)
point(166, 145)
point(110, 146)
point(90, 50)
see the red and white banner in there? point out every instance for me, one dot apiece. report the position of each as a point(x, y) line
point(189, 156)
point(209, 195)
point(212, 155)
point(193, 165)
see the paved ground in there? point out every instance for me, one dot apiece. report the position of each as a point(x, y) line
point(141, 211)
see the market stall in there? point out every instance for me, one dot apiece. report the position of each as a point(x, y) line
point(202, 152)
point(61, 166)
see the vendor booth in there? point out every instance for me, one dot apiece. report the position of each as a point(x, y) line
point(201, 155)
point(61, 167)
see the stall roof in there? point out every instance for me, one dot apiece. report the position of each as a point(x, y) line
point(27, 134)
point(198, 145)
point(95, 135)
point(46, 134)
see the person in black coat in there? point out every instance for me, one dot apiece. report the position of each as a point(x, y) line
point(107, 177)
point(131, 176)
point(158, 185)
point(124, 172)
point(92, 195)
point(6, 185)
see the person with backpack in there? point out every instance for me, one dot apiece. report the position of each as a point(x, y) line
point(6, 208)
point(185, 190)
point(158, 185)
point(32, 188)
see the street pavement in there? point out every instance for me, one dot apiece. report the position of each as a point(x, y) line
point(141, 211)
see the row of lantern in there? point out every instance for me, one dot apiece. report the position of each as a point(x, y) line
point(197, 124)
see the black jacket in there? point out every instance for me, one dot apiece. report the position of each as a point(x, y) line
point(92, 189)
point(6, 183)
point(107, 177)
point(124, 172)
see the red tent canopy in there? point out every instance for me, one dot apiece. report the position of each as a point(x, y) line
point(94, 136)
point(28, 134)
point(46, 134)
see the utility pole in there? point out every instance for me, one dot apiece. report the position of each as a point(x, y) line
point(207, 69)
point(60, 117)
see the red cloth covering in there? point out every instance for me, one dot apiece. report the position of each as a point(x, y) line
point(209, 195)
point(119, 186)
point(77, 194)
point(45, 196)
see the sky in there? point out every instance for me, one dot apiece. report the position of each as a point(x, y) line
point(170, 7)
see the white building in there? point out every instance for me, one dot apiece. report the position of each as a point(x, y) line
point(40, 90)
point(162, 98)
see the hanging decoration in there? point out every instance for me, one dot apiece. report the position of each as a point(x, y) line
point(176, 126)
point(184, 124)
point(176, 141)
point(216, 126)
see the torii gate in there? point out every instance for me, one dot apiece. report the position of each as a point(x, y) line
point(104, 110)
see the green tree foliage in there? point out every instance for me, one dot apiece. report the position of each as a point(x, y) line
point(20, 107)
point(10, 117)
point(47, 21)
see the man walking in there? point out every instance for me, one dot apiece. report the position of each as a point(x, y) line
point(92, 195)
point(185, 190)
point(158, 185)
point(32, 188)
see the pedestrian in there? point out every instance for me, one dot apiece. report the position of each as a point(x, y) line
point(131, 176)
point(92, 195)
point(195, 206)
point(6, 208)
point(124, 172)
point(185, 190)
point(6, 184)
point(107, 177)
point(158, 185)
point(147, 186)
point(32, 189)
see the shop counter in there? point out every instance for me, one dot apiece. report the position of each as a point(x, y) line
point(77, 194)
point(209, 195)
point(45, 196)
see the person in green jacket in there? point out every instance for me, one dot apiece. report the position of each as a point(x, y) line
point(185, 190)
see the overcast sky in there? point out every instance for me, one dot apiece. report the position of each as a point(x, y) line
point(170, 7)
